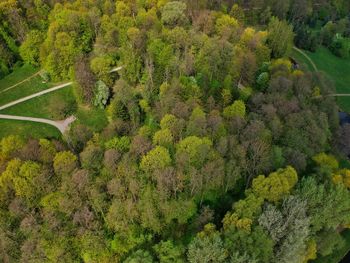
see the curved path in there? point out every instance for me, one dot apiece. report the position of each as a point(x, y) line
point(307, 57)
point(62, 126)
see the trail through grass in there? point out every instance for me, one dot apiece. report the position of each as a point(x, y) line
point(337, 69)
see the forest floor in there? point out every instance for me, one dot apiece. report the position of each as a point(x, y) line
point(337, 69)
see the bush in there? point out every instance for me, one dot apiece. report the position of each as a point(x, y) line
point(340, 46)
point(102, 94)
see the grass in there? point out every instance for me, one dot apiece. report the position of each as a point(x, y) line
point(17, 75)
point(39, 107)
point(337, 69)
point(27, 129)
point(94, 118)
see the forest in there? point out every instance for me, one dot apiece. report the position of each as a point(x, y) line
point(217, 147)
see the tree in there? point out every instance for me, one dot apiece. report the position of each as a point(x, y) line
point(280, 37)
point(140, 256)
point(194, 150)
point(11, 144)
point(158, 158)
point(237, 109)
point(30, 48)
point(207, 247)
point(64, 163)
point(163, 138)
point(289, 228)
point(173, 13)
point(168, 252)
point(85, 80)
point(91, 157)
point(277, 185)
point(102, 94)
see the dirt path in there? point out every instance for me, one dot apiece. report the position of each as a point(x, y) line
point(19, 83)
point(35, 95)
point(307, 57)
point(62, 126)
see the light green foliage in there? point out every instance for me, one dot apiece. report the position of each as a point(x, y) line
point(163, 138)
point(289, 228)
point(11, 144)
point(226, 26)
point(140, 256)
point(237, 109)
point(280, 37)
point(326, 205)
point(169, 121)
point(64, 163)
point(168, 252)
point(63, 51)
point(121, 144)
point(101, 67)
point(197, 123)
point(248, 245)
point(30, 48)
point(326, 160)
point(24, 183)
point(21, 176)
point(195, 149)
point(173, 13)
point(102, 94)
point(47, 150)
point(156, 159)
point(277, 185)
point(245, 93)
point(207, 247)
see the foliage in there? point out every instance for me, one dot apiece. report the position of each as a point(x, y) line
point(102, 94)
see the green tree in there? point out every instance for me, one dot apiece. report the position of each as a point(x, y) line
point(237, 109)
point(173, 13)
point(30, 48)
point(64, 163)
point(140, 256)
point(158, 158)
point(207, 247)
point(163, 138)
point(277, 185)
point(102, 94)
point(280, 37)
point(168, 252)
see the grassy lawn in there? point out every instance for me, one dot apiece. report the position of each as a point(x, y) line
point(94, 118)
point(17, 75)
point(27, 129)
point(39, 107)
point(337, 69)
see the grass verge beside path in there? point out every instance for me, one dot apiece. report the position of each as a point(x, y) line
point(27, 129)
point(18, 75)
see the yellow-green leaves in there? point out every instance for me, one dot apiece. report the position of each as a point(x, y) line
point(237, 109)
point(158, 158)
point(277, 185)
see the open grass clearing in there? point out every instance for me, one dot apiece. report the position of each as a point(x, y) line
point(18, 75)
point(27, 129)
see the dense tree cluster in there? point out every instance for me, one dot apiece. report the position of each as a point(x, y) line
point(215, 150)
